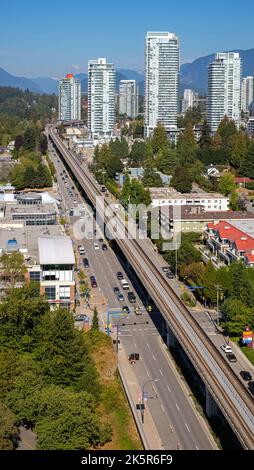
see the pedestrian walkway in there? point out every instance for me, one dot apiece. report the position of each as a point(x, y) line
point(148, 430)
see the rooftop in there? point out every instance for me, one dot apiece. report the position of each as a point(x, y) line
point(198, 213)
point(166, 193)
point(56, 250)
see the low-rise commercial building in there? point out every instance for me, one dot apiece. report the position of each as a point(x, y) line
point(170, 197)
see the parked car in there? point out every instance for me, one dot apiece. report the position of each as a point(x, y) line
point(231, 357)
point(82, 250)
point(226, 348)
point(86, 263)
point(93, 281)
point(170, 275)
point(96, 246)
point(104, 247)
point(251, 387)
point(120, 297)
point(245, 375)
point(119, 275)
point(81, 317)
point(101, 240)
point(116, 290)
point(165, 269)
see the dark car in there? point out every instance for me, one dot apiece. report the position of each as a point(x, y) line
point(131, 297)
point(165, 269)
point(120, 297)
point(126, 309)
point(119, 276)
point(170, 275)
point(93, 281)
point(86, 263)
point(101, 240)
point(245, 375)
point(116, 290)
point(251, 387)
point(104, 247)
point(231, 357)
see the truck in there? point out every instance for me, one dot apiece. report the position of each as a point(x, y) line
point(125, 284)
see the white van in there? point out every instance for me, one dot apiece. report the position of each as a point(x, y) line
point(82, 250)
point(125, 284)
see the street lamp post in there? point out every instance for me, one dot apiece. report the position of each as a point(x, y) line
point(142, 397)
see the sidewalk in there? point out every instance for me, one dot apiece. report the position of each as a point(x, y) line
point(148, 432)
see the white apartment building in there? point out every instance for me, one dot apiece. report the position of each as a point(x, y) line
point(170, 197)
point(56, 270)
point(101, 97)
point(69, 99)
point(224, 89)
point(162, 59)
point(128, 98)
point(189, 98)
point(247, 93)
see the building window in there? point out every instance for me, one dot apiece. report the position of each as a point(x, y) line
point(50, 292)
point(64, 292)
point(35, 276)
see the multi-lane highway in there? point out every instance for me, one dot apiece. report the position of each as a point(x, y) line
point(225, 386)
point(169, 402)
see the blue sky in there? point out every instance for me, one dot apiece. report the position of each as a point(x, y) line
point(51, 37)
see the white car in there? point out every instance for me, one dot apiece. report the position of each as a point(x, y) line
point(96, 246)
point(226, 348)
point(74, 201)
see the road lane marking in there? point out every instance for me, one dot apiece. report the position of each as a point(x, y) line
point(161, 372)
point(169, 389)
point(154, 358)
point(177, 407)
point(148, 345)
point(163, 409)
point(187, 427)
point(197, 448)
point(147, 371)
point(135, 345)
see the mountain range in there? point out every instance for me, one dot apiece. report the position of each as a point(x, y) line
point(193, 75)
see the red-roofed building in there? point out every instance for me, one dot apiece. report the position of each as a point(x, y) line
point(243, 181)
point(229, 243)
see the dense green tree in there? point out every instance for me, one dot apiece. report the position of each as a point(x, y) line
point(227, 183)
point(13, 267)
point(139, 153)
point(119, 148)
point(186, 146)
point(205, 139)
point(238, 144)
point(159, 139)
point(237, 316)
point(182, 179)
point(226, 130)
point(43, 144)
point(166, 160)
point(19, 142)
point(134, 193)
point(95, 321)
point(30, 137)
point(247, 165)
point(8, 428)
point(60, 348)
point(151, 179)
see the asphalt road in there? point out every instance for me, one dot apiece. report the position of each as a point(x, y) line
point(170, 405)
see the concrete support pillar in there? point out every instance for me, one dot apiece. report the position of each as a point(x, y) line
point(171, 339)
point(211, 405)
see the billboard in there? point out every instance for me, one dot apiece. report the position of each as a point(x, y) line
point(247, 337)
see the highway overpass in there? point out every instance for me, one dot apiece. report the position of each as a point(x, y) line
point(222, 384)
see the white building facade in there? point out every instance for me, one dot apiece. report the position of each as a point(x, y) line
point(101, 97)
point(69, 101)
point(129, 98)
point(170, 197)
point(188, 100)
point(224, 89)
point(162, 57)
point(247, 93)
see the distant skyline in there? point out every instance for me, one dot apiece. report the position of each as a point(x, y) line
point(51, 38)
